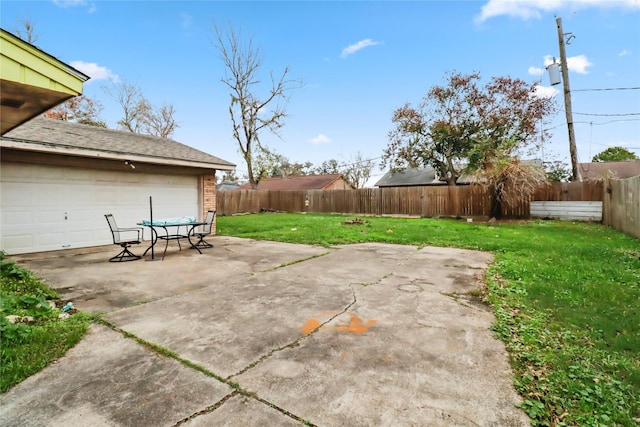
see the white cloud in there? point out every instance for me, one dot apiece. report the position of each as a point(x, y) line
point(353, 48)
point(91, 6)
point(546, 91)
point(93, 70)
point(579, 63)
point(186, 20)
point(69, 3)
point(528, 9)
point(624, 52)
point(320, 139)
point(536, 71)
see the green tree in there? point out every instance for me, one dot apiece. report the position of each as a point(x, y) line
point(557, 171)
point(463, 127)
point(614, 154)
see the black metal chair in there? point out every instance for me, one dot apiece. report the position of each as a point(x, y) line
point(125, 237)
point(204, 231)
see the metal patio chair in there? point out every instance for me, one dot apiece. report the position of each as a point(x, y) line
point(125, 237)
point(203, 231)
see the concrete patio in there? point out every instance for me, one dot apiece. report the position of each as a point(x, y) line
point(264, 333)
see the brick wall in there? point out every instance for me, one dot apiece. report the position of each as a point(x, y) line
point(209, 196)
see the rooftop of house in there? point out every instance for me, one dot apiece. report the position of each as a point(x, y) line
point(409, 177)
point(600, 170)
point(60, 137)
point(306, 182)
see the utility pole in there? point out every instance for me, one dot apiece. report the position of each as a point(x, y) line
point(567, 103)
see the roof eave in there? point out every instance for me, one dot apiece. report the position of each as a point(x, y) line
point(107, 155)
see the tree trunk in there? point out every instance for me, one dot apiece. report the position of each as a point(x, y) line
point(495, 210)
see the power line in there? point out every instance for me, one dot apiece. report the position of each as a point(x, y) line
point(608, 115)
point(608, 88)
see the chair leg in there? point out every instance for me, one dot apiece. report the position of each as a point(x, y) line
point(201, 243)
point(125, 255)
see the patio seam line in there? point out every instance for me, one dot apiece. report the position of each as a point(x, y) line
point(236, 388)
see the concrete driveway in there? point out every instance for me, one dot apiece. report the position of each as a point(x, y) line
point(260, 333)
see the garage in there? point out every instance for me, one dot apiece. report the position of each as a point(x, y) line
point(59, 179)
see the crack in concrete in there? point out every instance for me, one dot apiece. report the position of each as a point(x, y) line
point(295, 342)
point(208, 409)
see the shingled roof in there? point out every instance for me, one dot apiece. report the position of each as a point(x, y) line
point(61, 137)
point(601, 170)
point(409, 178)
point(307, 182)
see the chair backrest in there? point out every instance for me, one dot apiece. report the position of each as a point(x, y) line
point(208, 222)
point(114, 227)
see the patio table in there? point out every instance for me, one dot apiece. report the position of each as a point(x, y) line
point(171, 228)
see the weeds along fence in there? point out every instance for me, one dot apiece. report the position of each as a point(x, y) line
point(621, 205)
point(424, 201)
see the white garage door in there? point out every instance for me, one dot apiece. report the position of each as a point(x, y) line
point(47, 208)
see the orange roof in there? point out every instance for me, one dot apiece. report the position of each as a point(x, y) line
point(307, 182)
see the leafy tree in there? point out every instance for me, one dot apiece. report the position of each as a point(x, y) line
point(251, 113)
point(229, 176)
point(557, 171)
point(139, 116)
point(330, 166)
point(79, 109)
point(462, 127)
point(614, 154)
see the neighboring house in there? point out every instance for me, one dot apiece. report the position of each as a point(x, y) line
point(59, 179)
point(603, 170)
point(32, 81)
point(415, 177)
point(227, 186)
point(334, 181)
point(410, 178)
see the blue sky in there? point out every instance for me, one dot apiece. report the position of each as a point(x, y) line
point(359, 60)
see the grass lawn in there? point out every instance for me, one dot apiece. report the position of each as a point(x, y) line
point(566, 297)
point(26, 347)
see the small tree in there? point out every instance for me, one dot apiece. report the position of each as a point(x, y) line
point(79, 109)
point(557, 171)
point(614, 154)
point(358, 171)
point(250, 113)
point(509, 181)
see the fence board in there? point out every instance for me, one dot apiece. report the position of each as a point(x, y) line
point(425, 201)
point(622, 205)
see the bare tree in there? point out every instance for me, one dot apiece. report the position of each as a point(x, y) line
point(139, 116)
point(358, 171)
point(27, 31)
point(160, 121)
point(251, 114)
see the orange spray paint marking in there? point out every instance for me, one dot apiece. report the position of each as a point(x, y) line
point(310, 326)
point(355, 326)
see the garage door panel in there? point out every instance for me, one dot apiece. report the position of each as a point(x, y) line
point(36, 199)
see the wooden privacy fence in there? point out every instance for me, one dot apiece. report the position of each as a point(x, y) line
point(621, 207)
point(425, 201)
